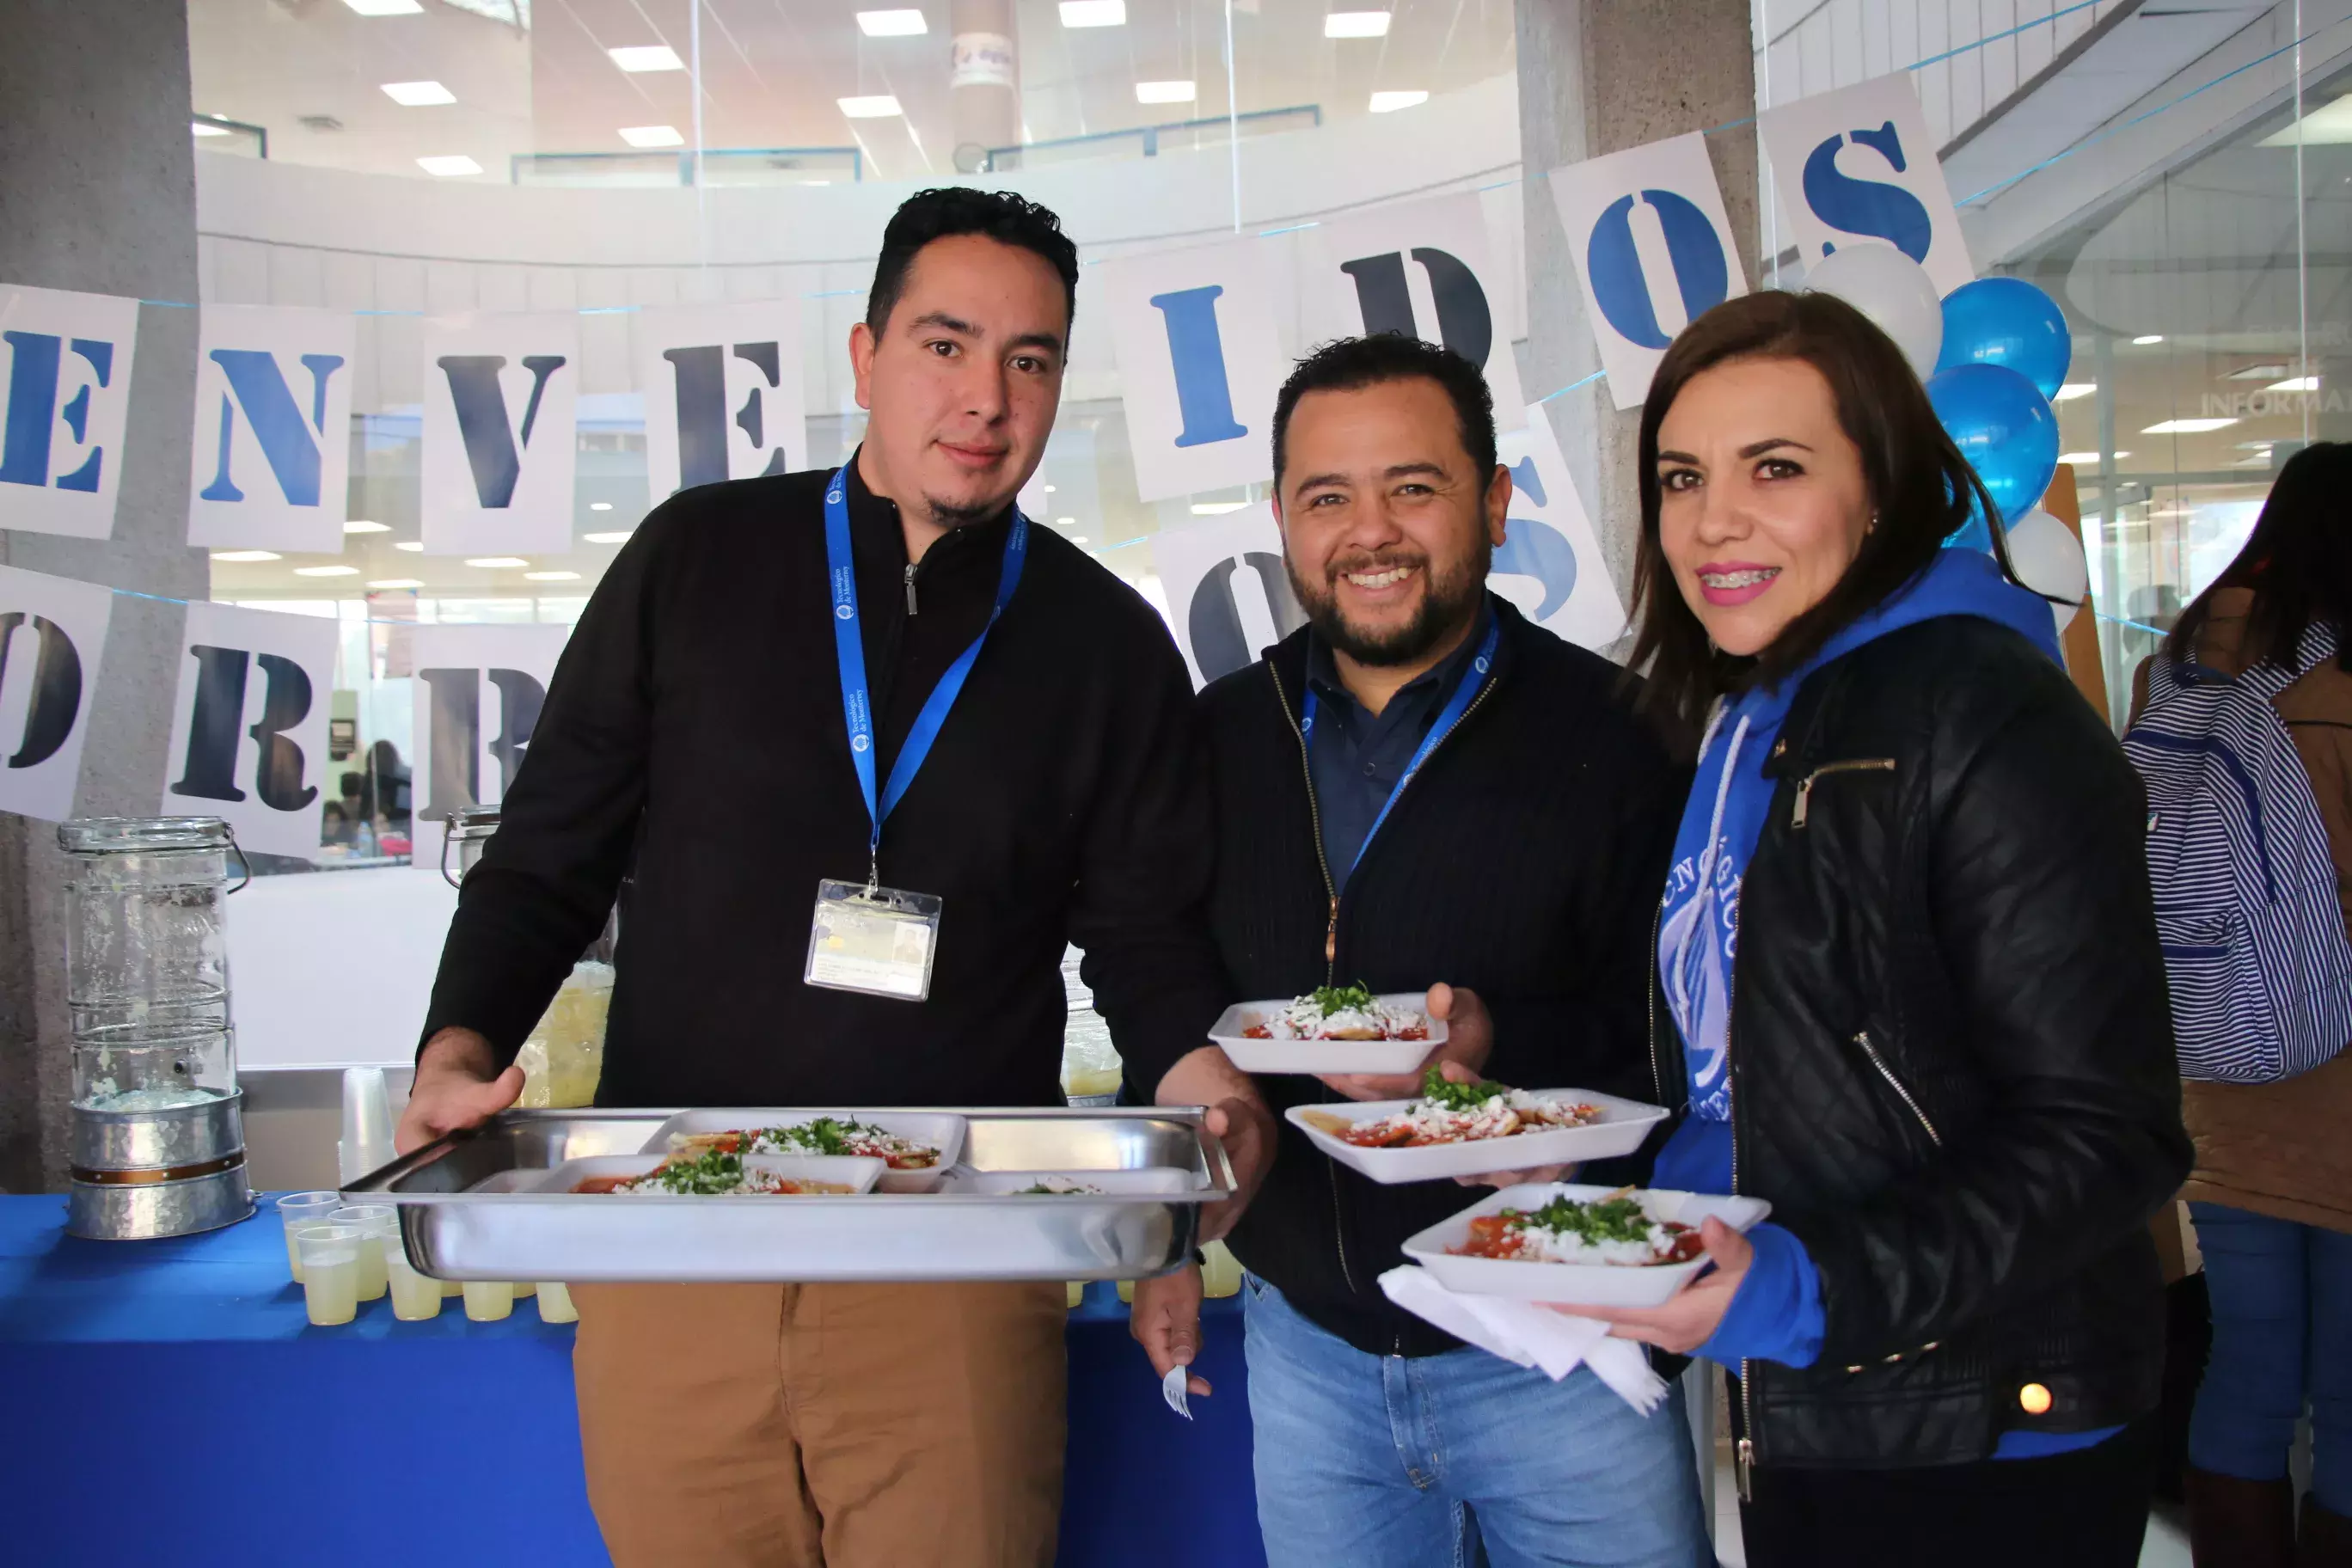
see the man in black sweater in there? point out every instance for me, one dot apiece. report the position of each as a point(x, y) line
point(1419, 788)
point(1057, 795)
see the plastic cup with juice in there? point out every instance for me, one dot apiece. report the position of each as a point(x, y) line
point(379, 1227)
point(555, 1303)
point(298, 1209)
point(489, 1300)
point(330, 1271)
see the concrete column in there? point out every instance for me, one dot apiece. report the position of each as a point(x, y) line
point(98, 194)
point(1595, 76)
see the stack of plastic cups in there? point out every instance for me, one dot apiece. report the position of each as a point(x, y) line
point(366, 1144)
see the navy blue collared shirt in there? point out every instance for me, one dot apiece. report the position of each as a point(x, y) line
point(1357, 755)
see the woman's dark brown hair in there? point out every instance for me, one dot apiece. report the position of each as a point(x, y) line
point(2298, 562)
point(1920, 486)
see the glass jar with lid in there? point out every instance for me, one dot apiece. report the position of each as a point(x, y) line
point(467, 834)
point(146, 938)
point(143, 1069)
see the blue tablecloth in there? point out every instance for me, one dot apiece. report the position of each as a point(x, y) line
point(167, 1402)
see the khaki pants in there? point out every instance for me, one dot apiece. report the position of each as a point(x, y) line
point(824, 1426)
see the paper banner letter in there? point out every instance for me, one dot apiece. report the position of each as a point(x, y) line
point(52, 636)
point(500, 446)
point(723, 400)
point(68, 387)
point(1194, 334)
point(1228, 592)
point(271, 465)
point(483, 689)
point(249, 731)
point(1423, 268)
point(1857, 167)
point(1653, 249)
point(1550, 561)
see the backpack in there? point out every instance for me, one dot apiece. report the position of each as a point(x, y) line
point(2246, 899)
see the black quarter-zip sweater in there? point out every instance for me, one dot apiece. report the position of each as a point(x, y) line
point(693, 737)
point(1524, 860)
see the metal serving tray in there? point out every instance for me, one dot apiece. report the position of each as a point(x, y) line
point(455, 1230)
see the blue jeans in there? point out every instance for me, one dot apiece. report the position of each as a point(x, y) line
point(1389, 1462)
point(2281, 1297)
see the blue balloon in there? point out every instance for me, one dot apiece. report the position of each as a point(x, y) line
point(2004, 428)
point(2008, 321)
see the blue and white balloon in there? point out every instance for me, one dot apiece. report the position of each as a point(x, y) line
point(2008, 322)
point(1892, 289)
point(2003, 427)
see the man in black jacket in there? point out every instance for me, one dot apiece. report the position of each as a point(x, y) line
point(1056, 795)
point(1421, 787)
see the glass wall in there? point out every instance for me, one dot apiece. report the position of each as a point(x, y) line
point(2210, 310)
point(400, 158)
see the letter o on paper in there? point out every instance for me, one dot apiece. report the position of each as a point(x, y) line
point(1613, 265)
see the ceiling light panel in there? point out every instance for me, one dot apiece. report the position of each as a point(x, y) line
point(606, 538)
point(385, 7)
point(496, 563)
point(652, 136)
point(1094, 12)
point(1164, 92)
point(1356, 24)
point(891, 24)
point(551, 576)
point(325, 571)
point(646, 58)
point(397, 583)
point(418, 94)
point(2087, 458)
point(241, 556)
point(361, 525)
point(880, 106)
point(199, 127)
point(2187, 427)
point(449, 165)
point(1389, 102)
point(2074, 389)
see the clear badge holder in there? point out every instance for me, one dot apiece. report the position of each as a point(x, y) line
point(879, 941)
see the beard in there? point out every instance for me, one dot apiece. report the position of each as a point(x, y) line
point(1449, 599)
point(952, 514)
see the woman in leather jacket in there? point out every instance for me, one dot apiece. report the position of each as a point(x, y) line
point(1909, 984)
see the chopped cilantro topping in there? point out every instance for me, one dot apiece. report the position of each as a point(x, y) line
point(1344, 998)
point(711, 1171)
point(826, 1135)
point(1603, 1220)
point(1436, 1088)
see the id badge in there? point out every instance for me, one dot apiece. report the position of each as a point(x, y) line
point(879, 941)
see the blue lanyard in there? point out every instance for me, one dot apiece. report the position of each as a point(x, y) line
point(849, 651)
point(1448, 717)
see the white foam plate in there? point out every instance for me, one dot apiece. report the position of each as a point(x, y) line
point(940, 1130)
point(1578, 1284)
point(1624, 1124)
point(1324, 1055)
point(1108, 1184)
point(855, 1172)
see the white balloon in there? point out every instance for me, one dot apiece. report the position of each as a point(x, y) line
point(2049, 560)
point(1893, 290)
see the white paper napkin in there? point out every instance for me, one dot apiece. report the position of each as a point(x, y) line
point(1528, 1335)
